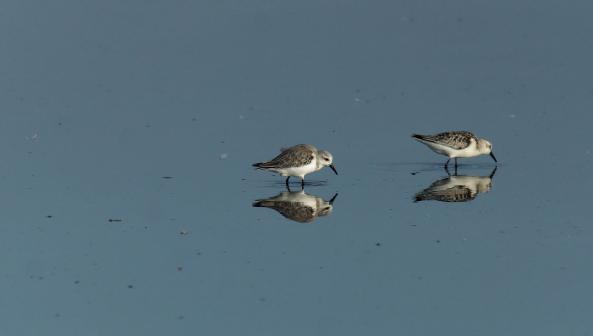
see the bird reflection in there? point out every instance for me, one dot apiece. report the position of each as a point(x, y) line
point(298, 206)
point(456, 188)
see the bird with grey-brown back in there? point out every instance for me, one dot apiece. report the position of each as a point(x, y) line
point(456, 144)
point(298, 161)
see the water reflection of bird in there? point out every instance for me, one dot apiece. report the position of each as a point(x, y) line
point(298, 205)
point(456, 188)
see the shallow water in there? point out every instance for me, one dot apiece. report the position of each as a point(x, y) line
point(129, 131)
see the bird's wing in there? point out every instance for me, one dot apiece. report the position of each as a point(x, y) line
point(295, 211)
point(454, 139)
point(298, 156)
point(455, 194)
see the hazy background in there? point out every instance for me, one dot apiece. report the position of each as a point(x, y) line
point(100, 100)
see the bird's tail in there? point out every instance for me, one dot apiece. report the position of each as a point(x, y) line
point(262, 204)
point(419, 198)
point(423, 138)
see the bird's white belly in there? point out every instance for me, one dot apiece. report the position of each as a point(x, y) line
point(441, 149)
point(298, 171)
point(469, 151)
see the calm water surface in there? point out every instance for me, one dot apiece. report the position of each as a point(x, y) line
point(128, 133)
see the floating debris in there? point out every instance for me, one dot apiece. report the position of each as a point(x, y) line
point(166, 177)
point(115, 220)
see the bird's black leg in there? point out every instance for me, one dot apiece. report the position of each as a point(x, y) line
point(455, 163)
point(288, 178)
point(455, 170)
point(447, 163)
point(303, 183)
point(447, 170)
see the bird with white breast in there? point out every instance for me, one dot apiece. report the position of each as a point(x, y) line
point(298, 161)
point(456, 144)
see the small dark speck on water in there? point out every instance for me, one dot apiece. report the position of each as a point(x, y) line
point(130, 286)
point(114, 220)
point(179, 268)
point(49, 216)
point(166, 177)
point(181, 317)
point(414, 173)
point(378, 244)
point(438, 241)
point(76, 282)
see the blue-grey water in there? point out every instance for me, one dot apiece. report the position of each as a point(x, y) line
point(129, 128)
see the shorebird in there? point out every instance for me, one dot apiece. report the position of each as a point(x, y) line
point(456, 188)
point(299, 161)
point(297, 205)
point(456, 144)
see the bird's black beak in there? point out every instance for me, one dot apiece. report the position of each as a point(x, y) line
point(493, 157)
point(493, 172)
point(333, 168)
point(331, 201)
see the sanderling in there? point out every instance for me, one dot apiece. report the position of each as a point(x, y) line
point(298, 160)
point(456, 188)
point(297, 205)
point(456, 144)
